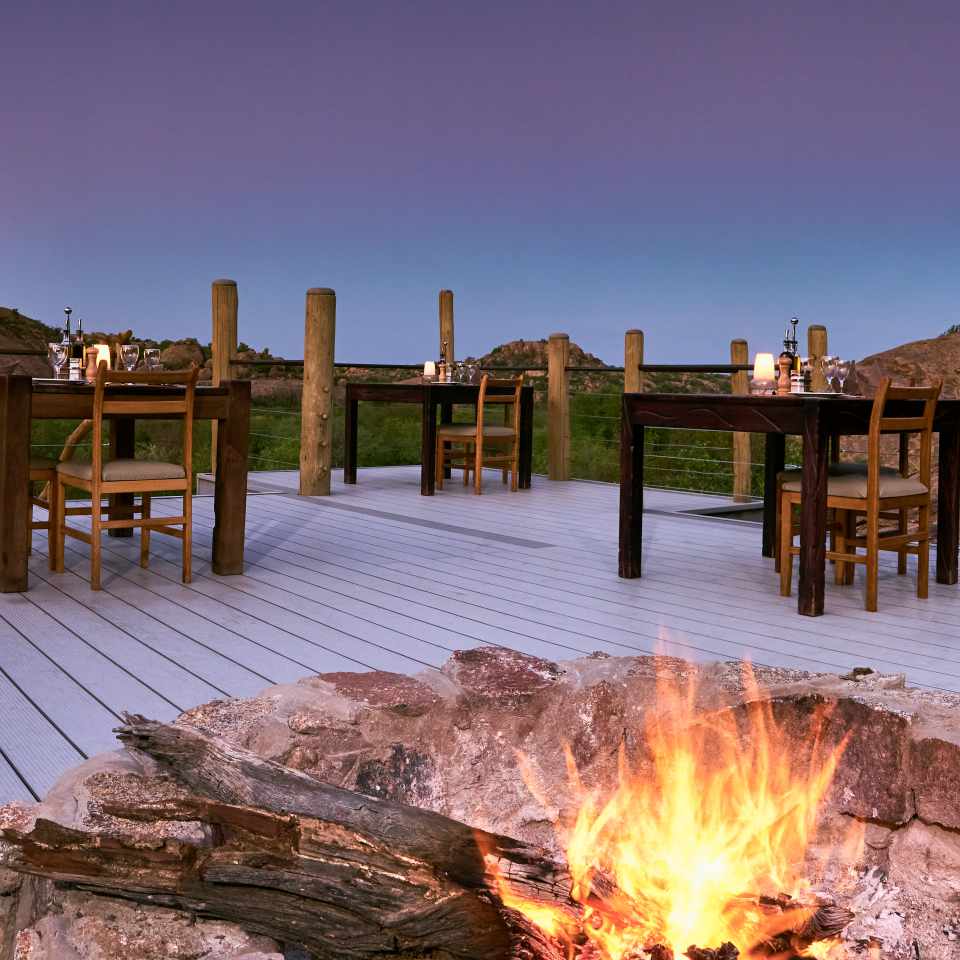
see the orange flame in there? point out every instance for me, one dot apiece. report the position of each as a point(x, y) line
point(679, 853)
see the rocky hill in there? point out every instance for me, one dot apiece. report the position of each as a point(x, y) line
point(921, 360)
point(19, 332)
point(533, 353)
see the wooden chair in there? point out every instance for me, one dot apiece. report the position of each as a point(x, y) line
point(834, 522)
point(473, 446)
point(131, 476)
point(876, 494)
point(44, 471)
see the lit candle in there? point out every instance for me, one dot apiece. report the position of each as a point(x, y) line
point(429, 369)
point(103, 353)
point(763, 369)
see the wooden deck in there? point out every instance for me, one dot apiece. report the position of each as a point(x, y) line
point(378, 577)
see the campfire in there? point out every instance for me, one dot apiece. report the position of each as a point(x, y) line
point(700, 853)
point(360, 816)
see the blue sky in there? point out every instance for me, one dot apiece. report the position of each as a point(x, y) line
point(698, 170)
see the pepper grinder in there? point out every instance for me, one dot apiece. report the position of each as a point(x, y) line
point(785, 364)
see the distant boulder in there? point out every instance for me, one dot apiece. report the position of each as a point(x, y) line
point(180, 355)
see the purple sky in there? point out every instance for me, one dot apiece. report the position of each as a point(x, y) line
point(700, 170)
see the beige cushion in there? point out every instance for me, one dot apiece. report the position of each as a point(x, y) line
point(42, 463)
point(854, 485)
point(125, 470)
point(470, 430)
point(838, 470)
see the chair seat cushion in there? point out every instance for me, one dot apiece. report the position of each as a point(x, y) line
point(470, 430)
point(854, 485)
point(838, 470)
point(116, 470)
point(42, 463)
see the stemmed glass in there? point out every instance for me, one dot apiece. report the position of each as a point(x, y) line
point(151, 358)
point(830, 372)
point(130, 354)
point(58, 357)
point(843, 372)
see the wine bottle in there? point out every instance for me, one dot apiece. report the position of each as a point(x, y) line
point(76, 353)
point(795, 348)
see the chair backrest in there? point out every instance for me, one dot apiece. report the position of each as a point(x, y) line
point(488, 383)
point(177, 406)
point(923, 407)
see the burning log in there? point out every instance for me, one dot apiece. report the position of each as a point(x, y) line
point(282, 854)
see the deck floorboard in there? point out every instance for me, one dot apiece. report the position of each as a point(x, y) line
point(378, 577)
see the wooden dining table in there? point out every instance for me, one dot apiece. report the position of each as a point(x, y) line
point(814, 417)
point(24, 399)
point(431, 398)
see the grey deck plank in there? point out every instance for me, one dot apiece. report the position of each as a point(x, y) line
point(30, 742)
point(203, 597)
point(216, 655)
point(71, 601)
point(72, 706)
point(365, 645)
point(12, 786)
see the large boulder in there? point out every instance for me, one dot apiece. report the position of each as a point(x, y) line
point(180, 355)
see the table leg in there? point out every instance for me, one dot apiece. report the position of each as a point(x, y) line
point(813, 516)
point(428, 446)
point(526, 439)
point(773, 463)
point(122, 446)
point(446, 416)
point(631, 498)
point(230, 491)
point(948, 506)
point(350, 413)
point(15, 398)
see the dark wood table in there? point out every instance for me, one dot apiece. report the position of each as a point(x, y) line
point(816, 419)
point(430, 396)
point(23, 399)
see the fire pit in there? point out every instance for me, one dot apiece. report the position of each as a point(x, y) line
point(601, 809)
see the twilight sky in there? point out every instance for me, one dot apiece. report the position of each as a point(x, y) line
point(700, 170)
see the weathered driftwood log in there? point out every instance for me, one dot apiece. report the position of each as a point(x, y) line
point(279, 853)
point(214, 768)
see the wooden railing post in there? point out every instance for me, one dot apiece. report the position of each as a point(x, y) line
point(816, 351)
point(446, 324)
point(223, 343)
point(558, 407)
point(740, 385)
point(316, 422)
point(632, 359)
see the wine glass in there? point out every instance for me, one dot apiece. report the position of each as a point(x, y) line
point(830, 372)
point(151, 359)
point(130, 354)
point(58, 357)
point(843, 371)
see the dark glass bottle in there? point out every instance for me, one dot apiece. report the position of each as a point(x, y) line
point(76, 347)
